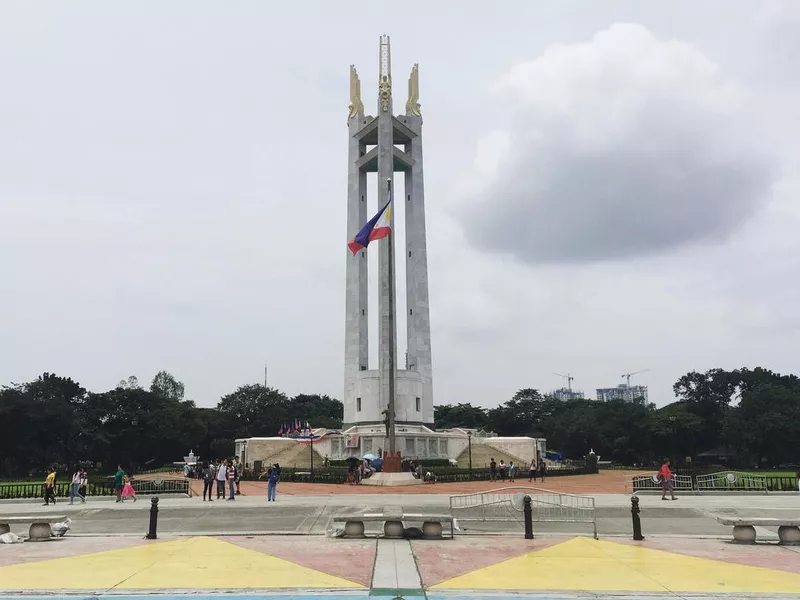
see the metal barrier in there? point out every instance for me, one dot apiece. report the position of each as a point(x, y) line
point(728, 481)
point(650, 482)
point(507, 504)
point(162, 486)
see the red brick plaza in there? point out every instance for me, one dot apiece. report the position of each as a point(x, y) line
point(605, 482)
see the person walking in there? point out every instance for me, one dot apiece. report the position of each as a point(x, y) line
point(127, 489)
point(50, 487)
point(511, 470)
point(542, 470)
point(272, 483)
point(118, 484)
point(75, 486)
point(503, 470)
point(493, 470)
point(532, 471)
point(667, 482)
point(84, 487)
point(208, 481)
point(231, 473)
point(222, 474)
point(239, 467)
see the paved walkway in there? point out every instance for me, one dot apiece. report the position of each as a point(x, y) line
point(691, 515)
point(555, 567)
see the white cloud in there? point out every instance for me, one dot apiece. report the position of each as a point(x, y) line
point(622, 146)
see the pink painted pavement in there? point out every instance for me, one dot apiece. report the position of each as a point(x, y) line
point(63, 548)
point(349, 559)
point(445, 559)
point(769, 556)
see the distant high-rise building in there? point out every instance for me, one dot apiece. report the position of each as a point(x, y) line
point(623, 392)
point(565, 394)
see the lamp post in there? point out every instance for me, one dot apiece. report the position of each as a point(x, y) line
point(672, 420)
point(469, 444)
point(311, 451)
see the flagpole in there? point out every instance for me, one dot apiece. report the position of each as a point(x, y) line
point(391, 326)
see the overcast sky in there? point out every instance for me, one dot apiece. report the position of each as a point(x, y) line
point(610, 187)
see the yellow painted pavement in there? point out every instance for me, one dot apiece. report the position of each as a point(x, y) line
point(583, 564)
point(194, 563)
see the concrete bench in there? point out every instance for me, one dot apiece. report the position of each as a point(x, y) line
point(393, 524)
point(744, 531)
point(40, 526)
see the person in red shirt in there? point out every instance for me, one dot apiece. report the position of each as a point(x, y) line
point(667, 483)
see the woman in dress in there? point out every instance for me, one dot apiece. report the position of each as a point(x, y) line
point(127, 489)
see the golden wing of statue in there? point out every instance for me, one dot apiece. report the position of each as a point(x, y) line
point(413, 106)
point(356, 106)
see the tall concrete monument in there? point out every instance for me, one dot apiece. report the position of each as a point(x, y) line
point(387, 144)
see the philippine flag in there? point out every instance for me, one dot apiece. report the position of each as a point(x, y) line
point(377, 228)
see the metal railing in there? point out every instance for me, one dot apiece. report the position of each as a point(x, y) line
point(507, 504)
point(728, 481)
point(27, 490)
point(651, 482)
point(162, 486)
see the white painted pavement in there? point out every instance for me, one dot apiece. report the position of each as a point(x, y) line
point(395, 567)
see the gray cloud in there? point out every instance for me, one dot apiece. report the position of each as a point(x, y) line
point(621, 146)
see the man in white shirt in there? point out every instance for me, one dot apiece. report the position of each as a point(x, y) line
point(222, 475)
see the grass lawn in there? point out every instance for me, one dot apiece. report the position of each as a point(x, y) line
point(770, 473)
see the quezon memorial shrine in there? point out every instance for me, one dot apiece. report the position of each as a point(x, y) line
point(387, 410)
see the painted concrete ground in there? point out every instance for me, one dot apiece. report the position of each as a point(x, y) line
point(549, 567)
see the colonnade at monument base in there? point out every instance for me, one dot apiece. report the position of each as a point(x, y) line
point(413, 442)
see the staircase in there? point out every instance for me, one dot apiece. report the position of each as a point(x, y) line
point(297, 455)
point(482, 455)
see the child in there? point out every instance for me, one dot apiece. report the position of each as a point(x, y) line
point(127, 489)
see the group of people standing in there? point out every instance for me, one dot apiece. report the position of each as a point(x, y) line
point(227, 473)
point(535, 469)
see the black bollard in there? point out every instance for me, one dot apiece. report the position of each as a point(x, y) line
point(151, 535)
point(637, 522)
point(528, 511)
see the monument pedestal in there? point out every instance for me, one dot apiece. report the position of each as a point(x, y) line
point(392, 462)
point(391, 473)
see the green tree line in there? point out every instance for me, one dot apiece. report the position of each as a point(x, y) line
point(54, 420)
point(752, 414)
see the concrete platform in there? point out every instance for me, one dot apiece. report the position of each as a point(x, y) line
point(391, 480)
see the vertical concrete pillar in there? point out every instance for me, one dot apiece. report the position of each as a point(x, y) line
point(417, 302)
point(356, 354)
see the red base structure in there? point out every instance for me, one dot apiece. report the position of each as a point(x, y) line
point(392, 462)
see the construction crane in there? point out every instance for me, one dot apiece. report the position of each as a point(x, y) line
point(628, 376)
point(568, 377)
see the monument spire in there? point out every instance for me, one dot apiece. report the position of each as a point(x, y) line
point(385, 74)
point(412, 104)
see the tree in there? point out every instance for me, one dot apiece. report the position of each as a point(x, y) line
point(448, 416)
point(165, 385)
point(256, 410)
point(318, 410)
point(766, 424)
point(132, 383)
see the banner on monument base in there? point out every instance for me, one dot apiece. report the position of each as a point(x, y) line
point(351, 440)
